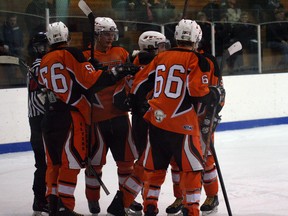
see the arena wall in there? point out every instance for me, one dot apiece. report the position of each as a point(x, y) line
point(251, 101)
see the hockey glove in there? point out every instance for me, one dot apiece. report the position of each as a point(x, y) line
point(217, 95)
point(96, 64)
point(138, 107)
point(123, 70)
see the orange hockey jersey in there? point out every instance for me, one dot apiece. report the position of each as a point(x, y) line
point(103, 107)
point(68, 75)
point(178, 76)
point(214, 80)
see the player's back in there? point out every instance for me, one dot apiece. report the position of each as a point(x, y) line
point(66, 72)
point(180, 75)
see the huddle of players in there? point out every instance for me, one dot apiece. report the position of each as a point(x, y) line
point(168, 98)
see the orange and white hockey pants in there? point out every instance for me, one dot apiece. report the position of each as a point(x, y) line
point(65, 139)
point(162, 146)
point(210, 180)
point(113, 134)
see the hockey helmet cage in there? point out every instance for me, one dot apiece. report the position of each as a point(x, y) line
point(57, 32)
point(187, 30)
point(105, 24)
point(150, 40)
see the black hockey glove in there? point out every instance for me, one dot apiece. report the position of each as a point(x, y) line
point(138, 107)
point(217, 95)
point(123, 70)
point(144, 107)
point(96, 64)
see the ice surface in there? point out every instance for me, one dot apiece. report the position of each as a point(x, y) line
point(253, 163)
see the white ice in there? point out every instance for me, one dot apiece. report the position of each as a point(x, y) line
point(253, 163)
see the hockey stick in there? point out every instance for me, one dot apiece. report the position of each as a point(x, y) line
point(237, 46)
point(23, 63)
point(184, 9)
point(88, 12)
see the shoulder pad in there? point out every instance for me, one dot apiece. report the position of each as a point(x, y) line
point(77, 54)
point(215, 63)
point(203, 63)
point(145, 57)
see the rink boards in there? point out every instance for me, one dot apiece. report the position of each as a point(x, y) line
point(251, 101)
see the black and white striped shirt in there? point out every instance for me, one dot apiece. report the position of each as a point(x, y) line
point(35, 107)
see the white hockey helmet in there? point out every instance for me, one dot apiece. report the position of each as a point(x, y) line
point(105, 24)
point(199, 34)
point(187, 30)
point(57, 32)
point(150, 40)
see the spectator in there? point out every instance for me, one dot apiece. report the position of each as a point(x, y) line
point(272, 7)
point(233, 11)
point(133, 10)
point(212, 10)
point(277, 35)
point(35, 19)
point(36, 24)
point(3, 48)
point(123, 8)
point(223, 32)
point(263, 10)
point(12, 36)
point(163, 11)
point(206, 29)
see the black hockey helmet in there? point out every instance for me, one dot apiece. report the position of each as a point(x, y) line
point(40, 44)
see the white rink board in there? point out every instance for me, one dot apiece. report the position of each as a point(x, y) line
point(248, 97)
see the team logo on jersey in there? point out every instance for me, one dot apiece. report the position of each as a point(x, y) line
point(159, 115)
point(188, 127)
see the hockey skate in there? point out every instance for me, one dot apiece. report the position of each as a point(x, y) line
point(135, 209)
point(40, 208)
point(116, 208)
point(175, 208)
point(151, 211)
point(94, 207)
point(210, 205)
point(63, 211)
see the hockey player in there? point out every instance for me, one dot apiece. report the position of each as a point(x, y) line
point(36, 112)
point(69, 80)
point(179, 78)
point(210, 180)
point(111, 125)
point(150, 43)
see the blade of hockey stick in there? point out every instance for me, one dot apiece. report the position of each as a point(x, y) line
point(84, 7)
point(87, 11)
point(235, 47)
